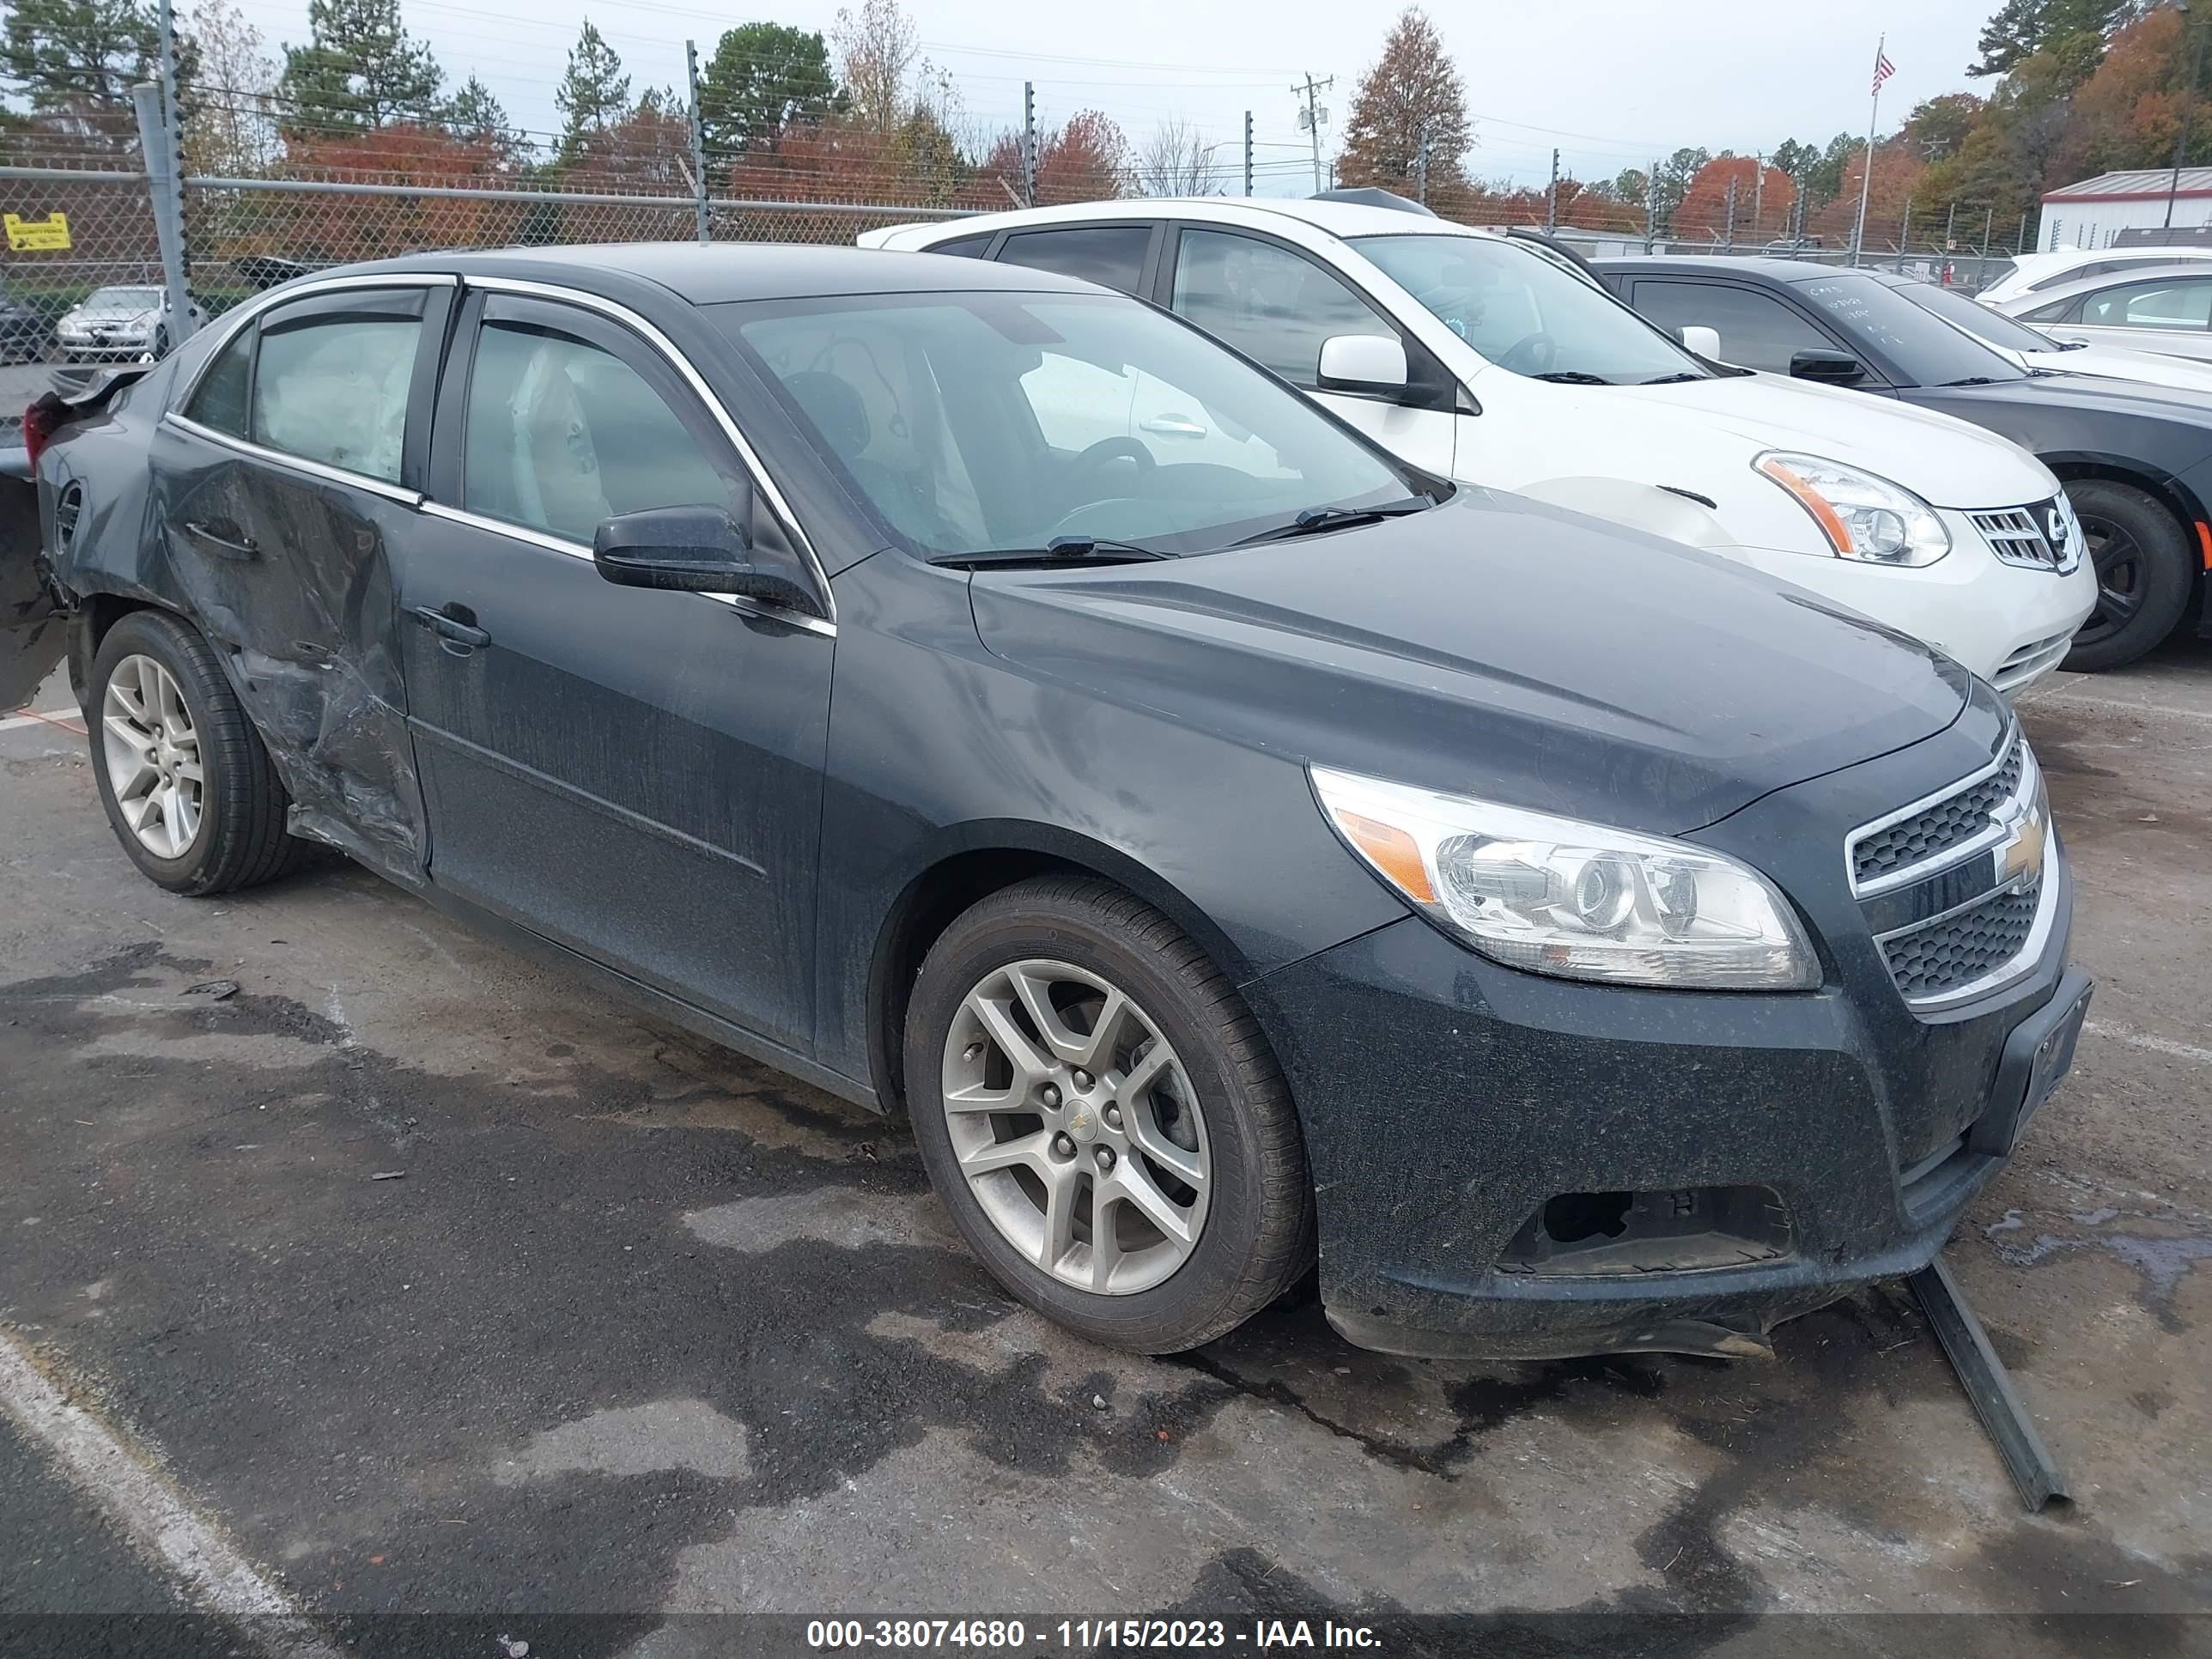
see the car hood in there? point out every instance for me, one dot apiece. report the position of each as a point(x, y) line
point(108, 319)
point(2140, 368)
point(1494, 647)
point(1947, 461)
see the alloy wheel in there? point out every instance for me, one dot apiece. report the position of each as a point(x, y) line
point(2121, 578)
point(153, 756)
point(1076, 1126)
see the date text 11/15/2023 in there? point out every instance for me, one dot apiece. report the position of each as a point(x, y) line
point(987, 1636)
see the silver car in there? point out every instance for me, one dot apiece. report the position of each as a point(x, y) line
point(119, 323)
point(2166, 309)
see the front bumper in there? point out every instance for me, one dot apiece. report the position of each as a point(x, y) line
point(1447, 1101)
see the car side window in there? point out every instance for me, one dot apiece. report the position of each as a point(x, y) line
point(2172, 305)
point(2058, 311)
point(964, 247)
point(219, 401)
point(1757, 331)
point(561, 434)
point(1112, 256)
point(1270, 303)
point(331, 385)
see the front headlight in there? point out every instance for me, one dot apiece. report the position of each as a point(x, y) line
point(1580, 901)
point(1864, 517)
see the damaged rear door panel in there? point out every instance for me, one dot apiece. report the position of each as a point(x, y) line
point(32, 631)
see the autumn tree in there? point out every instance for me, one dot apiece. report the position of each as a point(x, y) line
point(761, 78)
point(876, 46)
point(230, 115)
point(1086, 159)
point(360, 69)
point(1409, 115)
point(1763, 195)
point(593, 94)
point(1177, 160)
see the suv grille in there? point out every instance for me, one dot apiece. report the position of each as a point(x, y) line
point(2044, 536)
point(1963, 948)
point(1934, 830)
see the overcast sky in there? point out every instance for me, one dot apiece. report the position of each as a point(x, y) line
point(1611, 82)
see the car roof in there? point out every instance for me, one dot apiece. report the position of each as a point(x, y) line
point(712, 273)
point(2040, 297)
point(1341, 219)
point(1722, 265)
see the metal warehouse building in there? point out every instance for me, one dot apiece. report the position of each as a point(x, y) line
point(2093, 213)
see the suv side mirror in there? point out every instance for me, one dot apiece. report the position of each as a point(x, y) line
point(1704, 342)
point(1362, 363)
point(692, 550)
point(1828, 367)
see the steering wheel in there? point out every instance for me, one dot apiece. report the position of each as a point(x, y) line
point(1532, 354)
point(1115, 449)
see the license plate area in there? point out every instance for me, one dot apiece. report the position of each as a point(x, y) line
point(2037, 1057)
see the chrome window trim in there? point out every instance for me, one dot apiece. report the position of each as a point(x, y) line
point(323, 470)
point(239, 315)
point(1980, 843)
point(706, 394)
point(562, 544)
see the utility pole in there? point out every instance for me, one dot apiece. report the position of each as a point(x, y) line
point(177, 265)
point(1247, 152)
point(2188, 107)
point(698, 139)
point(1651, 205)
point(1552, 198)
point(1029, 144)
point(1311, 117)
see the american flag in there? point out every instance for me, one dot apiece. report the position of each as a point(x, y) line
point(1883, 68)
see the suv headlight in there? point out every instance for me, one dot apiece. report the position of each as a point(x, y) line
point(1579, 900)
point(1864, 517)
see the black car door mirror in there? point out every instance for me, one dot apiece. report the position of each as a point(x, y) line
point(1829, 367)
point(692, 550)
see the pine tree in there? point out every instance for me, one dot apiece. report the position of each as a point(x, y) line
point(761, 77)
point(80, 57)
point(475, 115)
point(360, 69)
point(594, 94)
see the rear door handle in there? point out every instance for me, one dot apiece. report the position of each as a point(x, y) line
point(224, 537)
point(451, 628)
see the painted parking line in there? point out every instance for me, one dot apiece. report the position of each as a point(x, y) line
point(64, 718)
point(2157, 1045)
point(104, 1466)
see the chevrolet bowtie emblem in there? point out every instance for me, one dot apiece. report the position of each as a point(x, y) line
point(2020, 855)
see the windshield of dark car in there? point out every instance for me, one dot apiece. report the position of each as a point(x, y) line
point(1978, 320)
point(1880, 321)
point(986, 421)
point(1525, 312)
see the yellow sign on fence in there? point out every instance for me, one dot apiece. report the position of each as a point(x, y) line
point(47, 235)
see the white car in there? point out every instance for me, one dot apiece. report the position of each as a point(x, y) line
point(1488, 359)
point(120, 323)
point(2039, 273)
point(2032, 348)
point(2166, 309)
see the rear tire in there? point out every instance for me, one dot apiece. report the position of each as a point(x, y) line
point(231, 834)
point(1180, 1083)
point(2146, 560)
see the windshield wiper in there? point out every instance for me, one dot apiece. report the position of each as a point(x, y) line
point(1974, 380)
point(1061, 549)
point(1336, 518)
point(1671, 379)
point(1571, 377)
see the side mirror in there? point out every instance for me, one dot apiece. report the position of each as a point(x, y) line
point(1362, 363)
point(692, 550)
point(1704, 342)
point(1828, 367)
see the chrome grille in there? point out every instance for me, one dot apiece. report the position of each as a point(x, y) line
point(1966, 946)
point(2041, 535)
point(1934, 830)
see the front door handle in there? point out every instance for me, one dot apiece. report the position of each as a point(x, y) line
point(451, 628)
point(224, 537)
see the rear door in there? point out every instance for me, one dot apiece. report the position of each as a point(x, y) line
point(285, 483)
point(2172, 315)
point(634, 774)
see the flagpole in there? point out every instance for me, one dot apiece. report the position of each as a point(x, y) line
point(1866, 180)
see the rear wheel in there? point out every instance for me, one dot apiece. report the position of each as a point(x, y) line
point(1099, 1111)
point(2145, 560)
point(186, 783)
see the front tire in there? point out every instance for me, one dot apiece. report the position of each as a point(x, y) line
point(2145, 560)
point(1100, 1112)
point(187, 785)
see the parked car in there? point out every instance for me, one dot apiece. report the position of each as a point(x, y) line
point(2030, 348)
point(2037, 273)
point(1595, 944)
point(2163, 308)
point(2137, 459)
point(1502, 362)
point(24, 336)
point(122, 323)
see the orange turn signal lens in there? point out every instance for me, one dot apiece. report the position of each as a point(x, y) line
point(1831, 521)
point(1393, 852)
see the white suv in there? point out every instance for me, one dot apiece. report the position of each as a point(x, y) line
point(1488, 359)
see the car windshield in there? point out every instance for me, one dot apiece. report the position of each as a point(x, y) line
point(1978, 320)
point(977, 422)
point(1528, 314)
point(123, 299)
point(1882, 322)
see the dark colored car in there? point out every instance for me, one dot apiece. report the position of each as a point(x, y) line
point(25, 336)
point(2137, 460)
point(1216, 836)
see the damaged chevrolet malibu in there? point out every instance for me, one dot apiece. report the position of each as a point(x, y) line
point(984, 697)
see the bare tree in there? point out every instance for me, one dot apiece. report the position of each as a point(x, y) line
point(230, 125)
point(875, 48)
point(1177, 160)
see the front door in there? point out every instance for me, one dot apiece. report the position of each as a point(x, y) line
point(632, 773)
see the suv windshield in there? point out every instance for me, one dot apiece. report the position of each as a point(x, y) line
point(1882, 322)
point(989, 421)
point(1526, 312)
point(1978, 320)
point(123, 299)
